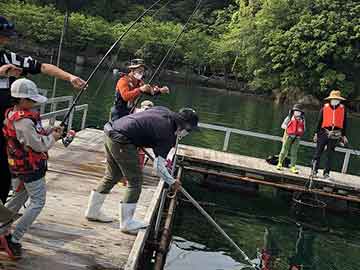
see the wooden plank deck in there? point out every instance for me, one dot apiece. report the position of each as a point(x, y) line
point(223, 162)
point(61, 237)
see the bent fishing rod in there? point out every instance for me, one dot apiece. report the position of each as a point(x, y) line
point(67, 115)
point(207, 216)
point(170, 50)
point(118, 51)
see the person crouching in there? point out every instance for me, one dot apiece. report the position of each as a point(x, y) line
point(27, 143)
point(294, 126)
point(158, 128)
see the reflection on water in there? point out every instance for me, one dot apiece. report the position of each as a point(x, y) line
point(195, 256)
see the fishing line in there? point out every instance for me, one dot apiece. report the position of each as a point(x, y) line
point(67, 115)
point(169, 52)
point(119, 49)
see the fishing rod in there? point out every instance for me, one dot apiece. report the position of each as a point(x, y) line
point(211, 220)
point(171, 49)
point(165, 191)
point(67, 115)
point(118, 51)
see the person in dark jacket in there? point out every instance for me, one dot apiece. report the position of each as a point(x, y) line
point(13, 65)
point(331, 130)
point(156, 128)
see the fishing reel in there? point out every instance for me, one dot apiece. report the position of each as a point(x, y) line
point(68, 138)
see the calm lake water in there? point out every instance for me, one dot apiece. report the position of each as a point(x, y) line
point(250, 221)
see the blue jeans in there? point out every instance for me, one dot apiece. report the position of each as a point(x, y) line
point(36, 191)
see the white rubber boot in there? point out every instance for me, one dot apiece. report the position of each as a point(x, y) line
point(127, 223)
point(93, 211)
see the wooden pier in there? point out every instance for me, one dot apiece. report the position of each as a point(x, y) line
point(245, 169)
point(61, 238)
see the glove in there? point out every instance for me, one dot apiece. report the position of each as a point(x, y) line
point(146, 88)
point(315, 139)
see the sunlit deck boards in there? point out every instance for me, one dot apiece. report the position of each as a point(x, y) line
point(222, 163)
point(61, 238)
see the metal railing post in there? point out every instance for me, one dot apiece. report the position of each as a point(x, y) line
point(83, 122)
point(227, 140)
point(346, 162)
point(71, 117)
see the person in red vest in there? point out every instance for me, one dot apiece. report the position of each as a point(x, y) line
point(130, 87)
point(330, 131)
point(294, 126)
point(27, 144)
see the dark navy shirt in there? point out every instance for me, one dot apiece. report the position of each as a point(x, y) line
point(154, 128)
point(28, 65)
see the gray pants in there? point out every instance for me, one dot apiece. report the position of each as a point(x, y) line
point(36, 190)
point(122, 161)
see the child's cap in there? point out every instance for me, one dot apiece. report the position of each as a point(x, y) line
point(24, 88)
point(146, 104)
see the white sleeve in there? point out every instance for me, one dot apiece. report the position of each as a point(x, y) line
point(285, 123)
point(162, 171)
point(27, 135)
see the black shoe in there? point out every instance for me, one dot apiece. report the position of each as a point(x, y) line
point(14, 250)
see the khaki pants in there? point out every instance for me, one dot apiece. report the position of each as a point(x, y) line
point(122, 161)
point(289, 144)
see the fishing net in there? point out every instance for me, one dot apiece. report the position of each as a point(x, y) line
point(308, 208)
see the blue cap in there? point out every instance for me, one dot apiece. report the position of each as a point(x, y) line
point(7, 28)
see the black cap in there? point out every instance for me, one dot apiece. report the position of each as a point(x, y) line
point(136, 63)
point(7, 28)
point(190, 117)
point(297, 107)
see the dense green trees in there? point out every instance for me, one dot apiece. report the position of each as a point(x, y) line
point(311, 45)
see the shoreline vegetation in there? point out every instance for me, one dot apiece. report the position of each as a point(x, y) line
point(289, 51)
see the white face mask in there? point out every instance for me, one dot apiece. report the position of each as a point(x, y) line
point(334, 102)
point(138, 75)
point(182, 133)
point(297, 113)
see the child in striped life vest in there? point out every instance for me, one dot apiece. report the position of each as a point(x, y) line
point(294, 126)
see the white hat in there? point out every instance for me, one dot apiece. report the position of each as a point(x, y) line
point(24, 88)
point(146, 104)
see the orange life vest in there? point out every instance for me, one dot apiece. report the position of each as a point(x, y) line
point(333, 117)
point(122, 107)
point(296, 127)
point(23, 160)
